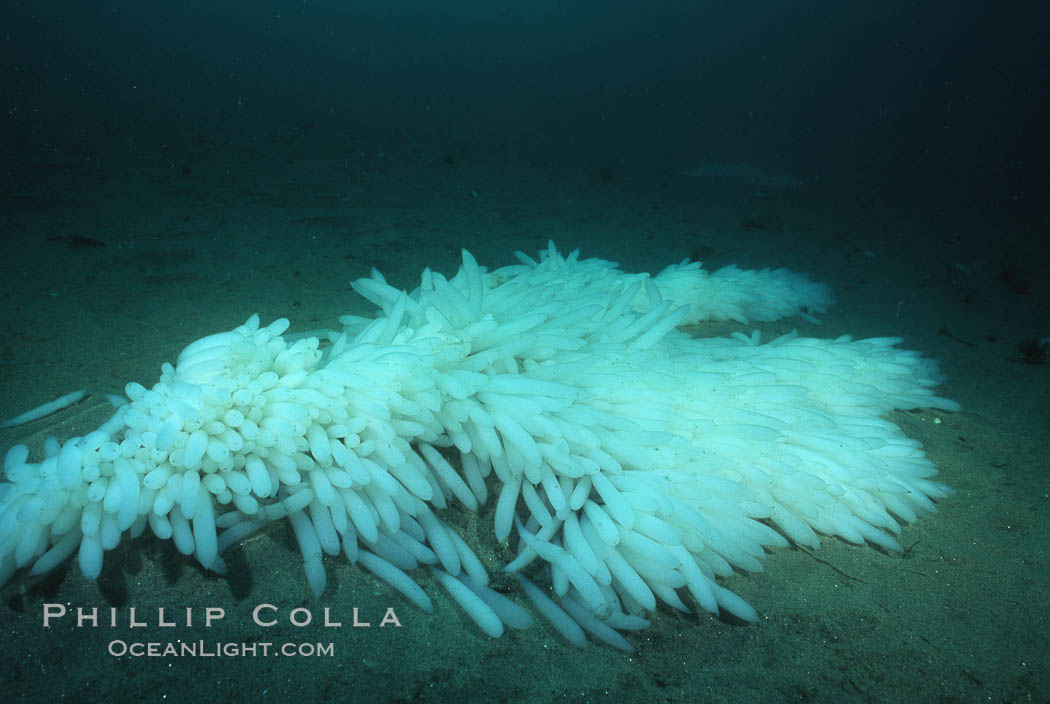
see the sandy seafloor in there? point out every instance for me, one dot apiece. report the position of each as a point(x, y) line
point(198, 236)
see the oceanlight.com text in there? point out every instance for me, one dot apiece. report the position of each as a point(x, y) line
point(213, 649)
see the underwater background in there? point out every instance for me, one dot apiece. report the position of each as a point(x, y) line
point(168, 169)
